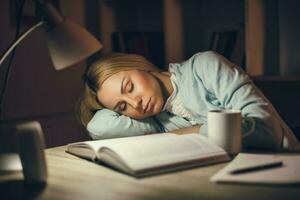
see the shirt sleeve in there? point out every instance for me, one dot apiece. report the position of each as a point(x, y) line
point(234, 89)
point(170, 122)
point(109, 124)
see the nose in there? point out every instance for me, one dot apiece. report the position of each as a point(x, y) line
point(135, 102)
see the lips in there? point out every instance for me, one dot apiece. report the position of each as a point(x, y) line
point(147, 107)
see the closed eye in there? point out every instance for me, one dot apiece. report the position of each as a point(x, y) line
point(130, 87)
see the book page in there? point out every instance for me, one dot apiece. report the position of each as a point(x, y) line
point(83, 150)
point(157, 150)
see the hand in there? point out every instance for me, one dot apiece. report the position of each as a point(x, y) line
point(188, 130)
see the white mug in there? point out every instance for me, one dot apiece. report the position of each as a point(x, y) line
point(225, 129)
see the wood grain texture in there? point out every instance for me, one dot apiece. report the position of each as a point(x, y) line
point(74, 178)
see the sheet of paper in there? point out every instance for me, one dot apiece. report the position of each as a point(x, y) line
point(286, 174)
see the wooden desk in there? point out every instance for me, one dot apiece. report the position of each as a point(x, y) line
point(73, 178)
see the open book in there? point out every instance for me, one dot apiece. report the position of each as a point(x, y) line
point(151, 154)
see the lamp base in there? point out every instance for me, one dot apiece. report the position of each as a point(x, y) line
point(10, 162)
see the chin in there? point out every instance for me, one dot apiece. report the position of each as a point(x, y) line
point(143, 116)
point(157, 109)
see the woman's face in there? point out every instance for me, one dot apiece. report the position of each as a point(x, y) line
point(134, 93)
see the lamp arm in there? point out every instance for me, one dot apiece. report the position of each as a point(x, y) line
point(20, 39)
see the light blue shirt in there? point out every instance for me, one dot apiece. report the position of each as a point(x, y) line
point(208, 81)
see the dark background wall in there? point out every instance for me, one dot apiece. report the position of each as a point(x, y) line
point(289, 40)
point(282, 41)
point(203, 17)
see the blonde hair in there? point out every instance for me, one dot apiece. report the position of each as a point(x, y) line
point(98, 72)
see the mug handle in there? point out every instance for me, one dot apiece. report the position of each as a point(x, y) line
point(252, 121)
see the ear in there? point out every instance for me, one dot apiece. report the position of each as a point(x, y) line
point(156, 74)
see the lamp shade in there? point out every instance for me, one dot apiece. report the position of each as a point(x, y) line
point(69, 43)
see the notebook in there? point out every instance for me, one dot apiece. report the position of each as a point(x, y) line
point(287, 173)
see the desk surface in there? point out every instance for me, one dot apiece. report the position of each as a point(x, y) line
point(73, 178)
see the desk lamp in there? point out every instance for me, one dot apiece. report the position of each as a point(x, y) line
point(68, 44)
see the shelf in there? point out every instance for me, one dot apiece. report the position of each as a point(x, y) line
point(137, 15)
point(188, 25)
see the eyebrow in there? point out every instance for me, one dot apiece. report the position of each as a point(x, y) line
point(121, 91)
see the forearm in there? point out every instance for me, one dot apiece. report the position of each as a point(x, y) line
point(109, 124)
point(188, 130)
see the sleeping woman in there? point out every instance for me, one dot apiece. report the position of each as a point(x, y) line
point(126, 95)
